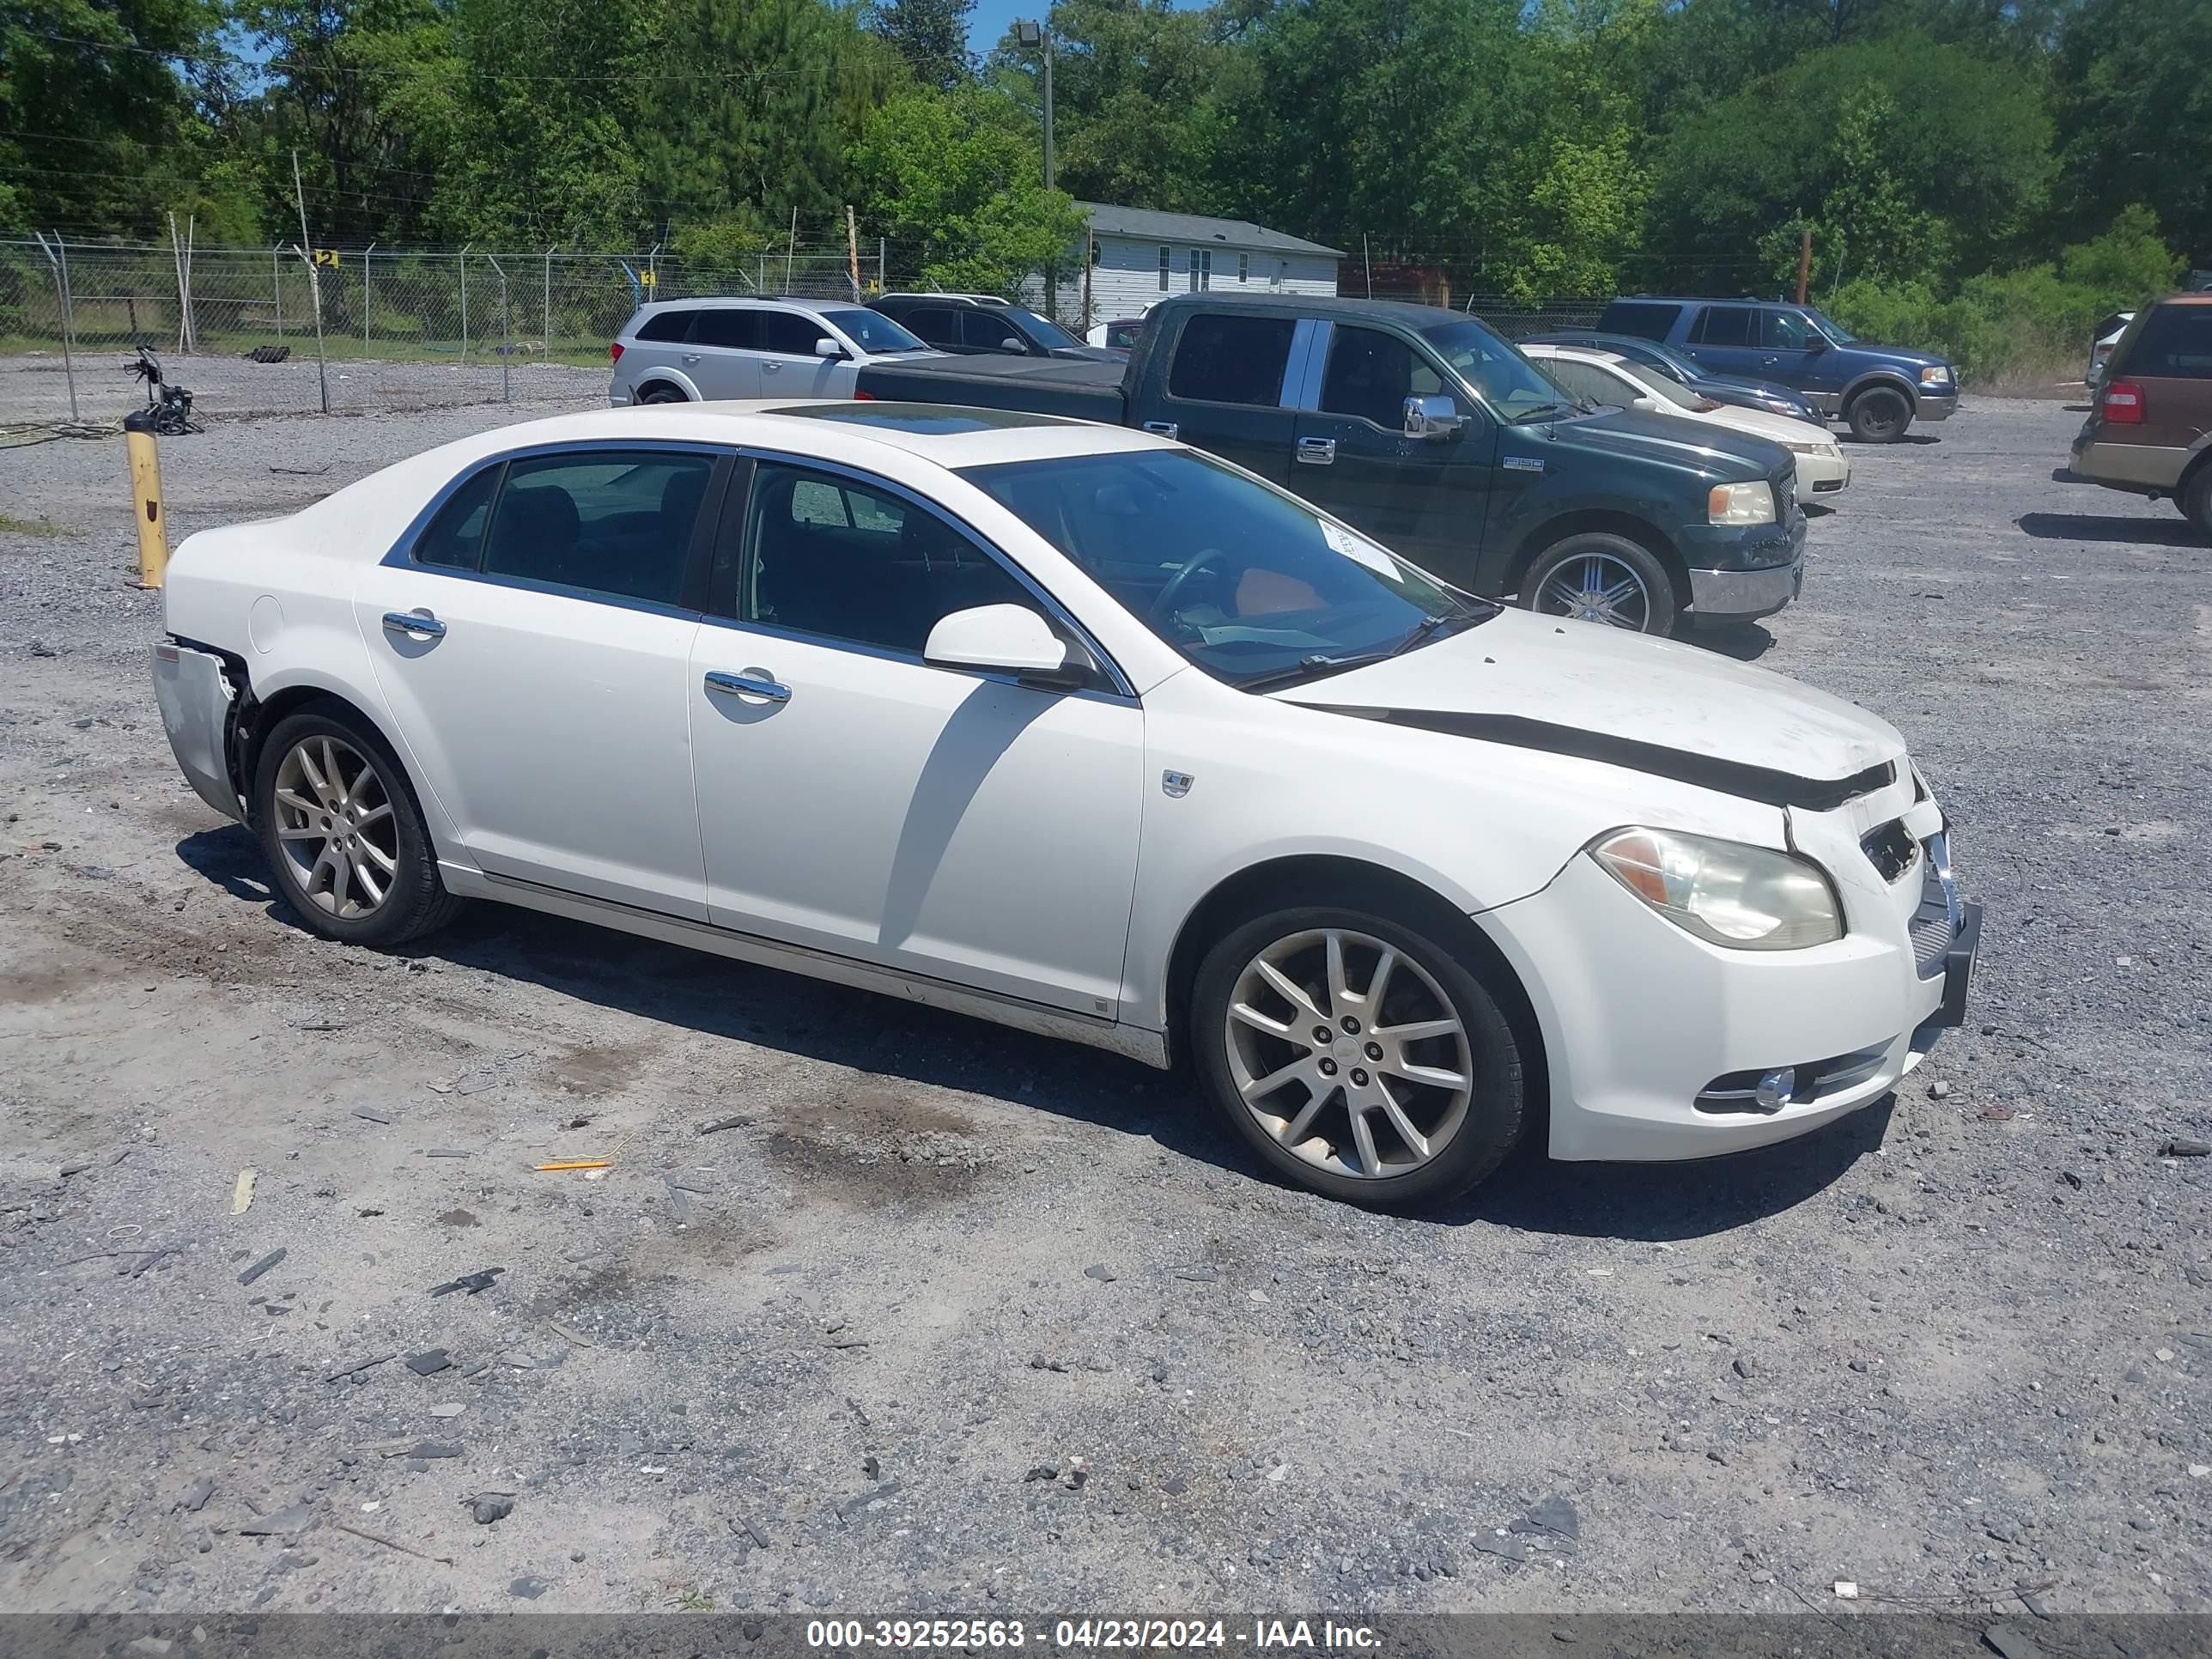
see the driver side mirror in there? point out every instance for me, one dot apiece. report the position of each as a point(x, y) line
point(828, 348)
point(1646, 402)
point(1010, 346)
point(1817, 344)
point(1435, 418)
point(1005, 639)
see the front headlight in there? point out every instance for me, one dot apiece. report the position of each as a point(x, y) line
point(1811, 446)
point(1934, 376)
point(1746, 898)
point(1740, 503)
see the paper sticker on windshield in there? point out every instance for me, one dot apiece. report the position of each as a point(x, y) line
point(1358, 550)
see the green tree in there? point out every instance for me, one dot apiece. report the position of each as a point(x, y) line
point(2134, 108)
point(98, 102)
point(955, 182)
point(931, 35)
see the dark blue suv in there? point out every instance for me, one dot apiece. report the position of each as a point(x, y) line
point(1878, 389)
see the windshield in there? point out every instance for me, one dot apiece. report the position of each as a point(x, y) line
point(1837, 333)
point(1043, 330)
point(1659, 358)
point(1656, 385)
point(1247, 582)
point(1508, 381)
point(871, 330)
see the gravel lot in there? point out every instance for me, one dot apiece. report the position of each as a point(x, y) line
point(954, 1319)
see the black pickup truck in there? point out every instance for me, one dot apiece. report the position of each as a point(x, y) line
point(1426, 430)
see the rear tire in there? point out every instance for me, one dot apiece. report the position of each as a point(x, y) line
point(2195, 501)
point(1441, 1107)
point(662, 394)
point(343, 834)
point(1879, 416)
point(1600, 577)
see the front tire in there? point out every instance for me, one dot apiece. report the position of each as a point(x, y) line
point(1601, 578)
point(1879, 416)
point(342, 833)
point(1357, 1054)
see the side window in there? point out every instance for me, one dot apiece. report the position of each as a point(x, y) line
point(841, 561)
point(1726, 325)
point(1370, 374)
point(668, 327)
point(729, 325)
point(937, 326)
point(790, 334)
point(454, 539)
point(1584, 379)
point(2175, 344)
point(612, 521)
point(1784, 330)
point(1167, 257)
point(982, 329)
point(1232, 360)
point(1640, 317)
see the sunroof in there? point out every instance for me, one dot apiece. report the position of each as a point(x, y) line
point(929, 418)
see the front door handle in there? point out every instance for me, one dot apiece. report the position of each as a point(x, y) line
point(1317, 451)
point(416, 624)
point(691, 356)
point(753, 683)
point(771, 369)
point(1164, 429)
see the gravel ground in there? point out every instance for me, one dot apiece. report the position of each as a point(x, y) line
point(953, 1319)
point(36, 386)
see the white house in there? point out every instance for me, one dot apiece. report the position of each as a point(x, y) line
point(1138, 257)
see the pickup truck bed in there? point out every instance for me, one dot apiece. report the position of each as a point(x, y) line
point(1038, 386)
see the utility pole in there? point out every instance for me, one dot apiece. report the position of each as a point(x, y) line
point(1033, 33)
point(304, 249)
point(1804, 261)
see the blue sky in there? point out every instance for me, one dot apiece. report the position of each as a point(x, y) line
point(991, 17)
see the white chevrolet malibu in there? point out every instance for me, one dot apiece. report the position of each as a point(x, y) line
point(1083, 731)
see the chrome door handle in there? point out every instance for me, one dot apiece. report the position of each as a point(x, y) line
point(771, 369)
point(1164, 429)
point(754, 682)
point(1317, 451)
point(691, 356)
point(417, 625)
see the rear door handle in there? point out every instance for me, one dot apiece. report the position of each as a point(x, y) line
point(753, 683)
point(691, 356)
point(1164, 429)
point(417, 625)
point(1317, 451)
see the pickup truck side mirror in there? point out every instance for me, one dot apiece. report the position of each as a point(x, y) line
point(1005, 639)
point(1435, 418)
point(1012, 347)
point(828, 348)
point(1817, 344)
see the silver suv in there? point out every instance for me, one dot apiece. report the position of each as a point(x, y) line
point(679, 351)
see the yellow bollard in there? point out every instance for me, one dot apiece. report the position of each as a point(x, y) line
point(146, 498)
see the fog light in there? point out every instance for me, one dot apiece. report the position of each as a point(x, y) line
point(1776, 1089)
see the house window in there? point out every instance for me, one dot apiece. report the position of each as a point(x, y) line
point(1243, 267)
point(1282, 270)
point(1167, 256)
point(1202, 269)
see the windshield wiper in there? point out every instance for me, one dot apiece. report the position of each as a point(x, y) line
point(1545, 412)
point(1429, 626)
point(1310, 668)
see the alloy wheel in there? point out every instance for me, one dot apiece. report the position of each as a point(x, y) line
point(1348, 1053)
point(1597, 588)
point(336, 827)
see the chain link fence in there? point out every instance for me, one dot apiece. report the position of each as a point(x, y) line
point(357, 328)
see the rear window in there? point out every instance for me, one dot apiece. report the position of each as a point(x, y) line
point(736, 326)
point(2174, 343)
point(669, 327)
point(1726, 325)
point(1232, 360)
point(1643, 318)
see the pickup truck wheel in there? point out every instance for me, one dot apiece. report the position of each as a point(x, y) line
point(1601, 578)
point(1354, 1051)
point(344, 835)
point(1879, 416)
point(2196, 501)
point(661, 394)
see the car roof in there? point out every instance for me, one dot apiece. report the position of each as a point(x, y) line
point(950, 299)
point(754, 301)
point(1700, 299)
point(1575, 354)
point(835, 431)
point(1403, 312)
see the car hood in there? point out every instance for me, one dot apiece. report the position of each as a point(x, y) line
point(1901, 356)
point(1762, 423)
point(1711, 451)
point(1651, 705)
point(1090, 354)
point(1737, 383)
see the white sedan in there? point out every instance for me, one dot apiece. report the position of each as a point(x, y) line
point(1605, 378)
point(1084, 731)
